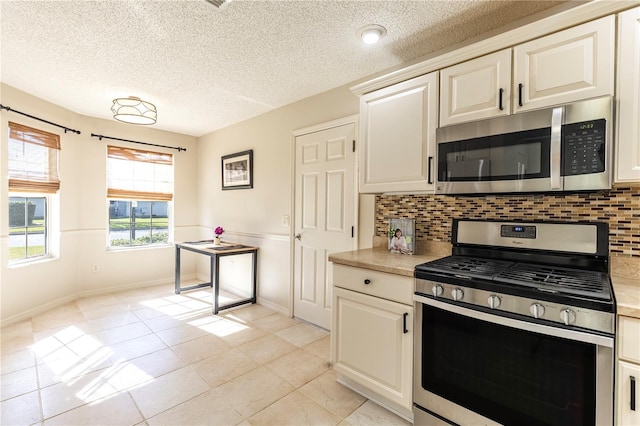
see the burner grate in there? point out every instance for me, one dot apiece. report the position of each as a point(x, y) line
point(471, 267)
point(557, 280)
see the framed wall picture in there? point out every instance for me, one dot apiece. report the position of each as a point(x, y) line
point(237, 170)
point(402, 235)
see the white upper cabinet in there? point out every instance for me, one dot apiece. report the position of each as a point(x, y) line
point(628, 129)
point(398, 125)
point(567, 66)
point(476, 89)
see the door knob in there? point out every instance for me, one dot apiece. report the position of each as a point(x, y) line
point(298, 237)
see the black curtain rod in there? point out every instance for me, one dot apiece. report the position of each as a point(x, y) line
point(66, 129)
point(142, 143)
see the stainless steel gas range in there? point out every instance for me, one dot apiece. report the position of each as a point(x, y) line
point(516, 327)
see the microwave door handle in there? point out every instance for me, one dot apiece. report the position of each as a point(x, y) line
point(556, 148)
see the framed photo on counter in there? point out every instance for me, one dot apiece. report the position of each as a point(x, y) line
point(402, 235)
point(237, 170)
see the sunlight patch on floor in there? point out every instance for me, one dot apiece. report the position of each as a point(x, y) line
point(70, 355)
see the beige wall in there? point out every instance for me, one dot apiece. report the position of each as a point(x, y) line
point(80, 240)
point(251, 216)
point(255, 215)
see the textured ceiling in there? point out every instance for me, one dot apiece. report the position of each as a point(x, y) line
point(207, 68)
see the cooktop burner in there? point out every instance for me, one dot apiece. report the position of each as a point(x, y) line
point(550, 272)
point(550, 279)
point(558, 280)
point(463, 266)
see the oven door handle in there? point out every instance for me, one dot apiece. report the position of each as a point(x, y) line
point(564, 333)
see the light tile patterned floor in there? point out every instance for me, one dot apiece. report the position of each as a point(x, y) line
point(151, 357)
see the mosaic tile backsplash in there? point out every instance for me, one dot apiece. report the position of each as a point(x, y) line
point(619, 207)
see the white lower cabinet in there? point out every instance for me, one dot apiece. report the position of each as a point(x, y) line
point(628, 380)
point(372, 341)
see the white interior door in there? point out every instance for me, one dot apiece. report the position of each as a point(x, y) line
point(324, 219)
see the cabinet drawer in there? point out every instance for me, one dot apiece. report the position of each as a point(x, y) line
point(629, 339)
point(627, 395)
point(380, 284)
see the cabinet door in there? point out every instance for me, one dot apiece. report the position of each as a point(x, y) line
point(628, 134)
point(371, 346)
point(398, 125)
point(476, 89)
point(628, 412)
point(629, 339)
point(570, 65)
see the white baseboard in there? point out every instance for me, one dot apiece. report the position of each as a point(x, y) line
point(394, 408)
point(274, 307)
point(80, 295)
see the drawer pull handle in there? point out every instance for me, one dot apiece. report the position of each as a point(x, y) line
point(633, 393)
point(404, 323)
point(367, 281)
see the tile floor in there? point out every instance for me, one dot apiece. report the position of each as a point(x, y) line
point(151, 357)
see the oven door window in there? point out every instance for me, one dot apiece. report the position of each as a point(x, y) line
point(511, 156)
point(511, 376)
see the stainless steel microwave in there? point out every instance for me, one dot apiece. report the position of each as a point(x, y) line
point(565, 148)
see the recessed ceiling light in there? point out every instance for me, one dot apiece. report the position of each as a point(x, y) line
point(370, 34)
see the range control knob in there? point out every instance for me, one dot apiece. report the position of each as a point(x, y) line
point(567, 316)
point(457, 294)
point(493, 301)
point(537, 310)
point(437, 290)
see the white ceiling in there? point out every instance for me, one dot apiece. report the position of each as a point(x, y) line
point(207, 68)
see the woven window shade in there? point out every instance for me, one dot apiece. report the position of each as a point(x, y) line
point(139, 175)
point(33, 160)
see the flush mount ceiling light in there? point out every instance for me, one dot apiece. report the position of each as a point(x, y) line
point(134, 111)
point(370, 34)
point(220, 4)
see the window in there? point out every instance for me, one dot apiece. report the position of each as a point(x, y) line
point(33, 177)
point(140, 189)
point(27, 227)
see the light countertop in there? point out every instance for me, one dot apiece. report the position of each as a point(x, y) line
point(626, 286)
point(627, 292)
point(382, 260)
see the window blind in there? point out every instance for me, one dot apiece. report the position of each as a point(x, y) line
point(33, 160)
point(139, 175)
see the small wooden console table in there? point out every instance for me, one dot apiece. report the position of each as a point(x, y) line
point(208, 248)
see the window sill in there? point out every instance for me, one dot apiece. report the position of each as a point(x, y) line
point(136, 248)
point(33, 261)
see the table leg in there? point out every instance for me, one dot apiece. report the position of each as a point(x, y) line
point(177, 269)
point(215, 282)
point(254, 268)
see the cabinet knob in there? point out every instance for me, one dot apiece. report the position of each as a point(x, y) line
point(367, 281)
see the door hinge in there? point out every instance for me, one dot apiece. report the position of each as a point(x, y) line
point(352, 231)
point(353, 147)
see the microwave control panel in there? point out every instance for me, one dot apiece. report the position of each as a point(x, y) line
point(583, 147)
